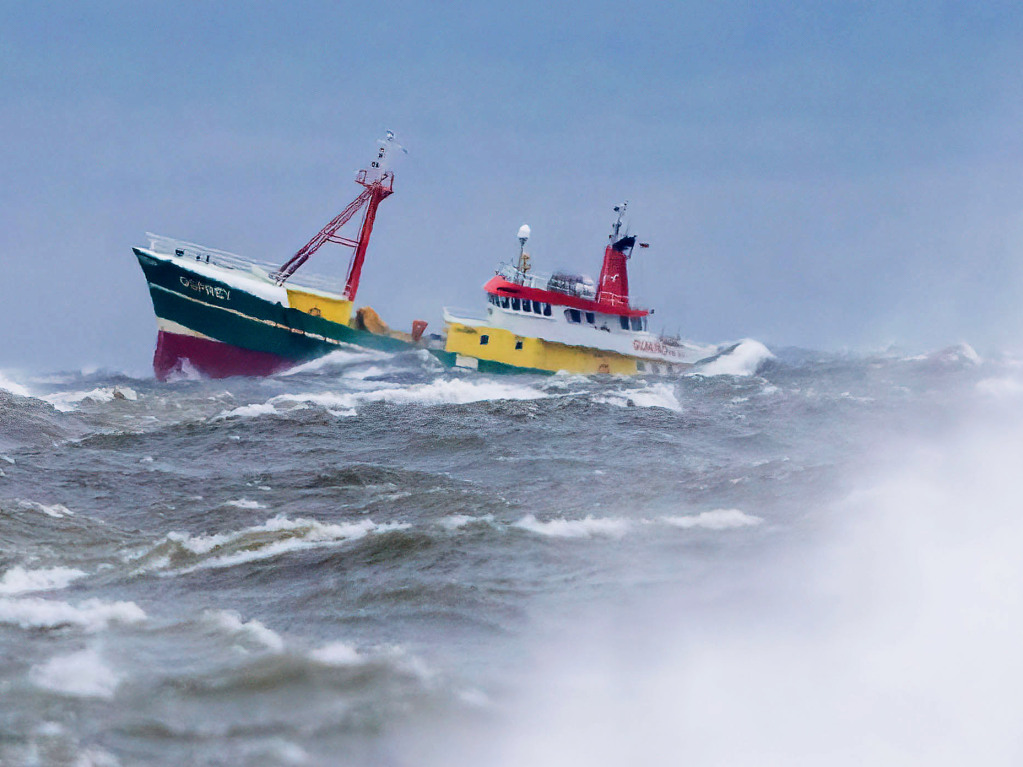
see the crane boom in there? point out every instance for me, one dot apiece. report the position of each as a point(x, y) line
point(378, 184)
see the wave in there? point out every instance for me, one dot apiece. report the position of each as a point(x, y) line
point(55, 510)
point(575, 528)
point(337, 654)
point(660, 395)
point(230, 622)
point(616, 527)
point(741, 359)
point(279, 535)
point(91, 615)
point(82, 674)
point(18, 580)
point(958, 354)
point(453, 391)
point(68, 401)
point(244, 503)
point(718, 519)
point(336, 361)
point(11, 387)
point(458, 521)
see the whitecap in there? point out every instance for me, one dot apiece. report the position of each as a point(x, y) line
point(18, 580)
point(458, 521)
point(653, 395)
point(66, 401)
point(250, 411)
point(56, 510)
point(276, 536)
point(90, 615)
point(83, 674)
point(718, 519)
point(13, 388)
point(337, 654)
point(456, 391)
point(575, 528)
point(339, 358)
point(231, 623)
point(245, 503)
point(743, 359)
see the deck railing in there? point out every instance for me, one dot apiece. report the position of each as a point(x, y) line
point(191, 251)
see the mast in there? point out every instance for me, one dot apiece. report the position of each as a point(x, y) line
point(378, 184)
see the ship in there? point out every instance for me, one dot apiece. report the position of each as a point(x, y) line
point(566, 322)
point(220, 314)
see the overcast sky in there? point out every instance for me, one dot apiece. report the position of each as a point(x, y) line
point(821, 174)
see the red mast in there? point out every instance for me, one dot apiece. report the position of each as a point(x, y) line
point(379, 184)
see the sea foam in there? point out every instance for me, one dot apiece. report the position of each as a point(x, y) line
point(456, 391)
point(744, 359)
point(13, 388)
point(231, 623)
point(653, 395)
point(82, 674)
point(587, 527)
point(718, 519)
point(18, 580)
point(90, 615)
point(67, 401)
point(185, 552)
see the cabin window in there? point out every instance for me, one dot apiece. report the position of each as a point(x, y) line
point(504, 302)
point(591, 318)
point(536, 307)
point(546, 310)
point(573, 315)
point(641, 367)
point(484, 340)
point(518, 345)
point(637, 323)
point(515, 304)
point(625, 322)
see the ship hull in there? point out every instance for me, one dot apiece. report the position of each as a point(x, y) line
point(220, 328)
point(181, 353)
point(485, 347)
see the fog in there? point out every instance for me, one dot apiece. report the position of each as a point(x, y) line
point(885, 631)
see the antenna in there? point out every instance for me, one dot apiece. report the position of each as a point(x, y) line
point(620, 210)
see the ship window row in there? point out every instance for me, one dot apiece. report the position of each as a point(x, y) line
point(520, 305)
point(577, 316)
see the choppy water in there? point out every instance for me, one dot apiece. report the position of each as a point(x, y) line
point(372, 561)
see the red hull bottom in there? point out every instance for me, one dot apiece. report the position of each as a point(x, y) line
point(177, 353)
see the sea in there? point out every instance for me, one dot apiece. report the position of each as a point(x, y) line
point(782, 557)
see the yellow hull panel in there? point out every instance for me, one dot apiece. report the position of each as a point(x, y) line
point(498, 345)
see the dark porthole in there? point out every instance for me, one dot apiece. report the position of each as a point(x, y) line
point(484, 340)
